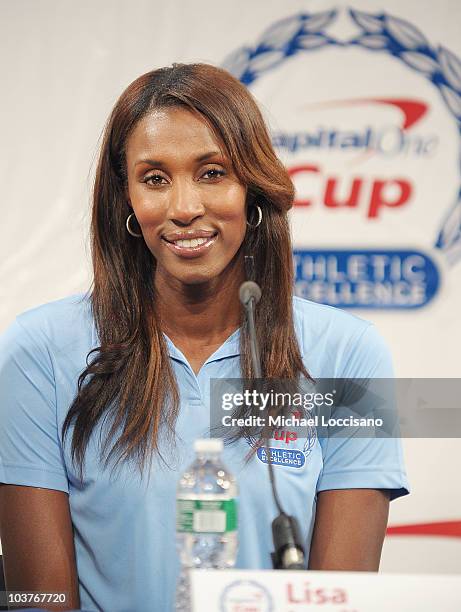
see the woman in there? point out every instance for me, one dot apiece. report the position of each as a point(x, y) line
point(187, 185)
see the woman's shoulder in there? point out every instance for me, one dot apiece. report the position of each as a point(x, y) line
point(335, 342)
point(58, 310)
point(57, 326)
point(314, 320)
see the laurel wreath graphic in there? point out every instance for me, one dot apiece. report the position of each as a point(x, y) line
point(377, 32)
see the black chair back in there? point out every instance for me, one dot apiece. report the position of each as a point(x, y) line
point(2, 582)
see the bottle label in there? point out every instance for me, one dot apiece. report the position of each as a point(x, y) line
point(206, 516)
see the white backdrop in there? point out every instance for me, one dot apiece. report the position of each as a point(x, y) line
point(65, 63)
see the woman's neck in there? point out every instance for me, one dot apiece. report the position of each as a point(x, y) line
point(207, 312)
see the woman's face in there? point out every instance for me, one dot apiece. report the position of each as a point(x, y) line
point(185, 195)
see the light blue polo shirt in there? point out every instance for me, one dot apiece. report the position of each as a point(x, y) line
point(124, 526)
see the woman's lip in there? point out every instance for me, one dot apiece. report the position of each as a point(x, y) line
point(188, 235)
point(190, 252)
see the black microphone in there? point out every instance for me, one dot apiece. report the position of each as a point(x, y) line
point(289, 552)
point(250, 294)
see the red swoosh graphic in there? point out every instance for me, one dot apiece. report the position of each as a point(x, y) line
point(412, 110)
point(449, 529)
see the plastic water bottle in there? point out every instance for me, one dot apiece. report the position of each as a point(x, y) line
point(206, 518)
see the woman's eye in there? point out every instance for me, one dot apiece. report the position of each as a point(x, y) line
point(155, 179)
point(213, 173)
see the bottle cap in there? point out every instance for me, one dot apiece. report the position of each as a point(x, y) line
point(208, 445)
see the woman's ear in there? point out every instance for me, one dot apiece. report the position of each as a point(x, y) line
point(127, 196)
point(250, 199)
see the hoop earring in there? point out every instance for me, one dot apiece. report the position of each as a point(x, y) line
point(130, 231)
point(260, 218)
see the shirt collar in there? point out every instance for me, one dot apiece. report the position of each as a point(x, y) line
point(230, 348)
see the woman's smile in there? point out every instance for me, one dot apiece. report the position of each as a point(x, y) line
point(190, 244)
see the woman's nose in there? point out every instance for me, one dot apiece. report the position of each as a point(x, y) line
point(185, 202)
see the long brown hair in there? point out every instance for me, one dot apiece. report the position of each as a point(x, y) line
point(129, 377)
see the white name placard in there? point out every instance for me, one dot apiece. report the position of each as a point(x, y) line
point(281, 591)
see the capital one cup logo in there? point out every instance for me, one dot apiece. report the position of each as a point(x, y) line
point(365, 112)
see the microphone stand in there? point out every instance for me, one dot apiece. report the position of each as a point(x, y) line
point(288, 550)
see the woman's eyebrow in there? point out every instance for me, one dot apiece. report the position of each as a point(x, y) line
point(206, 156)
point(158, 163)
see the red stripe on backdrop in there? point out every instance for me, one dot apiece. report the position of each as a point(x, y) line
point(450, 529)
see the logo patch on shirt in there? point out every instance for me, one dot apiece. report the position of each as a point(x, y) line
point(288, 457)
point(285, 456)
